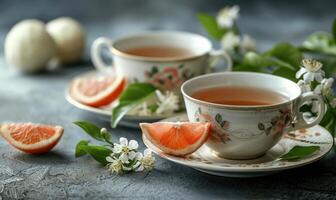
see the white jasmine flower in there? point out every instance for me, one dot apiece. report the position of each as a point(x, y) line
point(125, 149)
point(132, 145)
point(168, 103)
point(230, 41)
point(115, 165)
point(247, 44)
point(227, 16)
point(311, 70)
point(141, 110)
point(325, 87)
point(125, 157)
point(147, 160)
point(304, 87)
point(327, 83)
point(117, 148)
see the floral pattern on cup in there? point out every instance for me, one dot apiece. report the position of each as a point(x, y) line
point(277, 123)
point(169, 78)
point(219, 126)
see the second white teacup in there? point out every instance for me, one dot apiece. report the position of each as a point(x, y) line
point(166, 72)
point(248, 131)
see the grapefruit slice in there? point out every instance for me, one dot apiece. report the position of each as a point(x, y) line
point(97, 91)
point(31, 138)
point(176, 138)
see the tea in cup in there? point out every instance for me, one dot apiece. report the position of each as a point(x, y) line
point(249, 112)
point(165, 59)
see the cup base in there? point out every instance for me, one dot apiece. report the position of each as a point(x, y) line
point(249, 157)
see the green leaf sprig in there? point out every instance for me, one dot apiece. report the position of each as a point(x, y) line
point(132, 96)
point(283, 59)
point(119, 158)
point(210, 25)
point(99, 153)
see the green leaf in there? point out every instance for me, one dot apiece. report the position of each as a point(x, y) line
point(320, 42)
point(210, 25)
point(132, 96)
point(153, 107)
point(287, 55)
point(282, 60)
point(80, 149)
point(333, 29)
point(298, 152)
point(99, 153)
point(286, 73)
point(329, 63)
point(90, 129)
point(253, 59)
point(256, 60)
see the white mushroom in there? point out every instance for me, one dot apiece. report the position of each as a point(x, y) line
point(69, 37)
point(29, 47)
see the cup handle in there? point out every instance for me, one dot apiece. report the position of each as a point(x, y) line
point(216, 55)
point(300, 121)
point(96, 56)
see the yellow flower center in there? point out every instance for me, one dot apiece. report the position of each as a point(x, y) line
point(311, 64)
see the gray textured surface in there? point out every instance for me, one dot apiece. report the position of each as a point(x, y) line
point(40, 98)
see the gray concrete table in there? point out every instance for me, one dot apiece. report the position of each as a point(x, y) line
point(40, 98)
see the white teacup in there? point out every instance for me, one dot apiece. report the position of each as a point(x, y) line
point(166, 73)
point(248, 131)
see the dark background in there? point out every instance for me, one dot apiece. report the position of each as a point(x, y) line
point(40, 98)
point(267, 21)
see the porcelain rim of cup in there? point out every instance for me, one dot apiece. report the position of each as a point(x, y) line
point(237, 107)
point(120, 53)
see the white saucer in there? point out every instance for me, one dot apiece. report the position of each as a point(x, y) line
point(131, 121)
point(207, 161)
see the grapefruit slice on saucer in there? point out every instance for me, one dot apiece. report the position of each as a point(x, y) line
point(176, 138)
point(97, 91)
point(31, 138)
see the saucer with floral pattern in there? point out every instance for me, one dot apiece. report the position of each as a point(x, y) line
point(205, 160)
point(105, 112)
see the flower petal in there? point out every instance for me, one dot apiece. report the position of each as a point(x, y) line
point(124, 158)
point(133, 144)
point(109, 159)
point(318, 89)
point(116, 148)
point(131, 155)
point(138, 155)
point(300, 72)
point(318, 77)
point(308, 77)
point(126, 168)
point(123, 141)
point(147, 152)
point(140, 168)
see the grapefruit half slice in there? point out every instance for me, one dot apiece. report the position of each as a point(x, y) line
point(31, 138)
point(97, 91)
point(176, 138)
